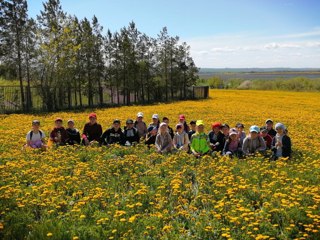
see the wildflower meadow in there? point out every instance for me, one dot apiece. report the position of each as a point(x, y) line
point(77, 192)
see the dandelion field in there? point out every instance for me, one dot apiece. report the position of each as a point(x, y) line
point(135, 193)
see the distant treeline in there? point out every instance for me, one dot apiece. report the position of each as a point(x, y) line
point(292, 84)
point(66, 56)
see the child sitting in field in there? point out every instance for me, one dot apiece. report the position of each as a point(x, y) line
point(232, 146)
point(181, 139)
point(216, 137)
point(73, 133)
point(131, 134)
point(170, 130)
point(182, 120)
point(269, 126)
point(59, 135)
point(163, 140)
point(92, 131)
point(192, 129)
point(113, 135)
point(253, 143)
point(266, 137)
point(35, 137)
point(200, 144)
point(281, 144)
point(241, 133)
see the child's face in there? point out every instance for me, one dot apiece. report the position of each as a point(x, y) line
point(254, 135)
point(155, 120)
point(193, 127)
point(200, 128)
point(166, 121)
point(129, 125)
point(163, 129)
point(35, 127)
point(240, 129)
point(70, 125)
point(93, 120)
point(216, 129)
point(269, 125)
point(225, 130)
point(139, 119)
point(264, 133)
point(279, 131)
point(233, 137)
point(116, 126)
point(58, 124)
point(180, 129)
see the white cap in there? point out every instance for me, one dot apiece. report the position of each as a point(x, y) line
point(140, 114)
point(163, 124)
point(155, 116)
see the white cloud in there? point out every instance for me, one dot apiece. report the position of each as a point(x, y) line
point(247, 50)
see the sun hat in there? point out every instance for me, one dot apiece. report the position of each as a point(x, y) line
point(140, 114)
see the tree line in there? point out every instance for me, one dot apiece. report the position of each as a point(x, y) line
point(70, 59)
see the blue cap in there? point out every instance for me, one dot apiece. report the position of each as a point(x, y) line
point(254, 128)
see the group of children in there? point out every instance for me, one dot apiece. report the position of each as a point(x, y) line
point(193, 139)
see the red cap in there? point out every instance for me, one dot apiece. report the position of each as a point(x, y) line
point(182, 117)
point(58, 119)
point(216, 124)
point(92, 115)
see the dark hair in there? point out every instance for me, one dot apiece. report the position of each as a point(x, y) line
point(116, 121)
point(192, 122)
point(225, 125)
point(165, 118)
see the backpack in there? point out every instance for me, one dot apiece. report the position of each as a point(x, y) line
point(31, 133)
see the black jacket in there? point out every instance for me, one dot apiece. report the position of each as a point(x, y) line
point(220, 140)
point(74, 136)
point(286, 146)
point(272, 132)
point(131, 135)
point(112, 136)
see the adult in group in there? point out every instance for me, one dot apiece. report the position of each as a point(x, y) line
point(141, 126)
point(269, 126)
point(92, 130)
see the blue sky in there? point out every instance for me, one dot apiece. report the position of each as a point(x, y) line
point(221, 33)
